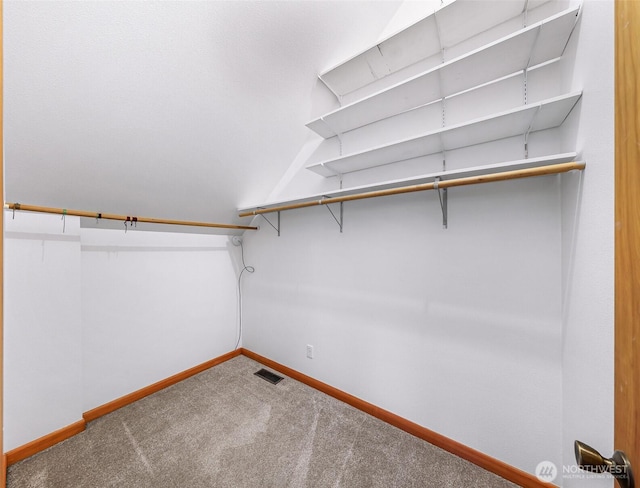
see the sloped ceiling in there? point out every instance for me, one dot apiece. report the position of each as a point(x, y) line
point(173, 109)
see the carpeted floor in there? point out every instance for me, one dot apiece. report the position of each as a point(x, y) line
point(228, 428)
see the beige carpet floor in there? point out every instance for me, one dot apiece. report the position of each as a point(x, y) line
point(226, 427)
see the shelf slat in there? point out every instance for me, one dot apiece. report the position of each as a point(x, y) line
point(533, 117)
point(533, 45)
point(449, 25)
point(487, 169)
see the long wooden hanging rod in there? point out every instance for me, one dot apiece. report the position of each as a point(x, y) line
point(121, 218)
point(470, 180)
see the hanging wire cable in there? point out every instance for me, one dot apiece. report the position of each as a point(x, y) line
point(248, 269)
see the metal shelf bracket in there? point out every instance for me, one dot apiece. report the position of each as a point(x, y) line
point(339, 221)
point(269, 222)
point(442, 195)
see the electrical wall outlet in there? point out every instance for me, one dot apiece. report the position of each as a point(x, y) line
point(309, 351)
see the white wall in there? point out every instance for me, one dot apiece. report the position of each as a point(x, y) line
point(92, 315)
point(153, 304)
point(42, 326)
point(588, 240)
point(457, 330)
point(475, 331)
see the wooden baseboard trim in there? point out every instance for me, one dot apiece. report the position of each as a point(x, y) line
point(44, 442)
point(478, 458)
point(155, 387)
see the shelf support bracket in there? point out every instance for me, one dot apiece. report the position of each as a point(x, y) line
point(442, 195)
point(269, 222)
point(340, 220)
point(526, 134)
point(335, 94)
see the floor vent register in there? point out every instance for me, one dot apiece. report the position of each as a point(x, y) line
point(269, 376)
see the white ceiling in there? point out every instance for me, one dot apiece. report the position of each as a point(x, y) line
point(171, 109)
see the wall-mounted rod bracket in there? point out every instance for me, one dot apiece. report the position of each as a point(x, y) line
point(442, 196)
point(269, 222)
point(340, 220)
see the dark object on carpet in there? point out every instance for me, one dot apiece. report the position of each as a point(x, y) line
point(272, 378)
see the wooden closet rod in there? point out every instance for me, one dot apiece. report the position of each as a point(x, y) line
point(122, 218)
point(470, 180)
